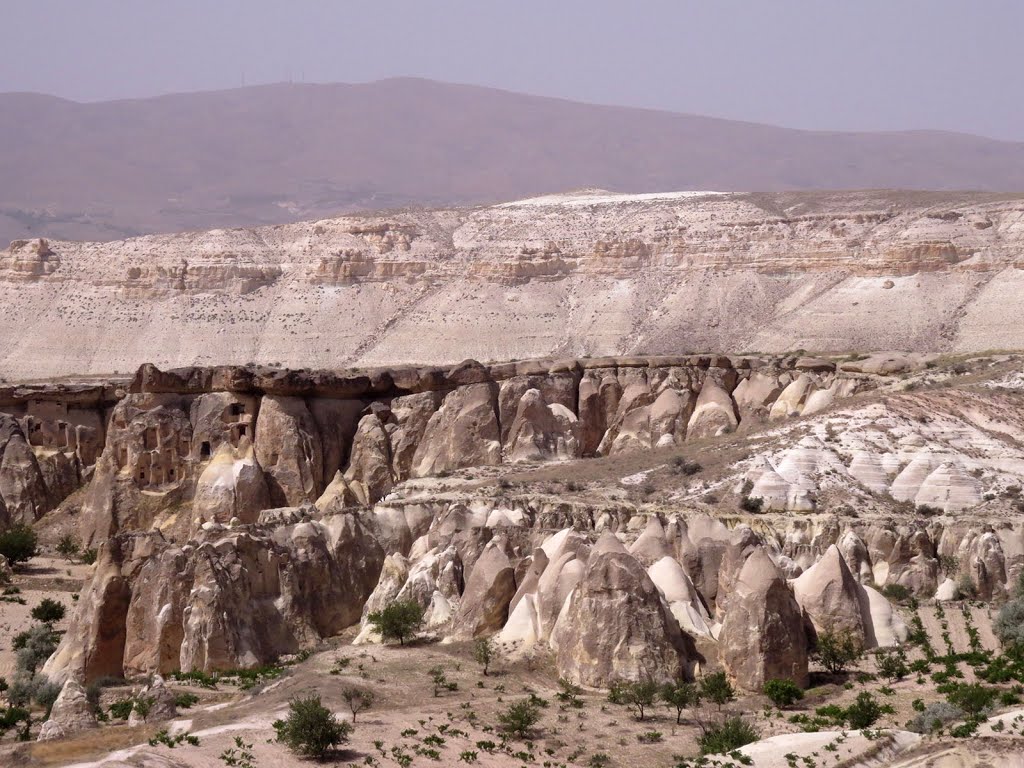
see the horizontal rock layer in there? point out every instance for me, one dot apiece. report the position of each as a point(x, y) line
point(559, 275)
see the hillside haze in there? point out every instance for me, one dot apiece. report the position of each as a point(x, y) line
point(280, 153)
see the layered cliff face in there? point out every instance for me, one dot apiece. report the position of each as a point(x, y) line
point(587, 274)
point(316, 497)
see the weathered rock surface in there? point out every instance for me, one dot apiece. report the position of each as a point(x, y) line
point(71, 713)
point(762, 636)
point(827, 271)
point(616, 625)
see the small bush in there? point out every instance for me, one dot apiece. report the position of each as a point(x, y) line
point(67, 547)
point(311, 730)
point(520, 718)
point(48, 611)
point(399, 621)
point(752, 504)
point(731, 734)
point(19, 544)
point(680, 696)
point(896, 593)
point(185, 700)
point(34, 647)
point(864, 712)
point(935, 716)
point(89, 556)
point(783, 693)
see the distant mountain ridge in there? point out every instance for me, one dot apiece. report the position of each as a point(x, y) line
point(280, 153)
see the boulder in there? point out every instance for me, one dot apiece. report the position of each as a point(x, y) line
point(71, 713)
point(162, 707)
point(370, 474)
point(762, 636)
point(540, 431)
point(830, 595)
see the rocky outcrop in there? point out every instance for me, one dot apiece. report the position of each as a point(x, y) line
point(463, 432)
point(225, 599)
point(616, 625)
point(161, 704)
point(762, 636)
point(289, 450)
point(71, 713)
point(489, 590)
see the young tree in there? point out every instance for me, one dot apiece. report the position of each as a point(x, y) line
point(520, 718)
point(143, 705)
point(892, 664)
point(483, 652)
point(441, 682)
point(717, 689)
point(837, 651)
point(48, 611)
point(783, 693)
point(638, 696)
point(974, 699)
point(19, 544)
point(358, 700)
point(311, 730)
point(399, 621)
point(681, 696)
point(67, 547)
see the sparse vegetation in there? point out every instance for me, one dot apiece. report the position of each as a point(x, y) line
point(837, 651)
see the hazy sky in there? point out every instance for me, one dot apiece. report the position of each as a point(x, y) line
point(831, 64)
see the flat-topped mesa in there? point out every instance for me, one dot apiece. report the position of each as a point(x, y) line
point(604, 275)
point(393, 381)
point(361, 431)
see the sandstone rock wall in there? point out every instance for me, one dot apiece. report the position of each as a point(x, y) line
point(611, 275)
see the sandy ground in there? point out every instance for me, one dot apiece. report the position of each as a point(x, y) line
point(42, 577)
point(406, 713)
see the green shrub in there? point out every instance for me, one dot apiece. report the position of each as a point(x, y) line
point(311, 730)
point(783, 693)
point(974, 699)
point(185, 700)
point(864, 712)
point(934, 716)
point(48, 611)
point(399, 621)
point(483, 653)
point(896, 592)
point(520, 718)
point(121, 708)
point(34, 646)
point(19, 544)
point(837, 651)
point(89, 556)
point(67, 547)
point(732, 733)
point(717, 689)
